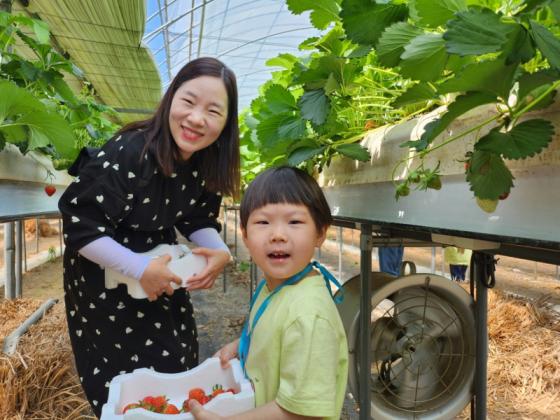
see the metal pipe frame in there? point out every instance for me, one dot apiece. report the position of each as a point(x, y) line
point(9, 261)
point(366, 248)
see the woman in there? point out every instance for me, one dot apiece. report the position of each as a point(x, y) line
point(166, 172)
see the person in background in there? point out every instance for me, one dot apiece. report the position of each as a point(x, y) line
point(390, 259)
point(458, 260)
point(164, 173)
point(293, 347)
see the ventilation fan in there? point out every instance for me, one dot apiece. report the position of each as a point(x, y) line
point(422, 345)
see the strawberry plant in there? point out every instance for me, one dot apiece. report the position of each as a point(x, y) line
point(384, 61)
point(38, 110)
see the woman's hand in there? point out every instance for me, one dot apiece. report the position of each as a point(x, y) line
point(157, 278)
point(228, 352)
point(199, 413)
point(217, 260)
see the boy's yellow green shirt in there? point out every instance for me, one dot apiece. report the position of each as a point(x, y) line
point(299, 353)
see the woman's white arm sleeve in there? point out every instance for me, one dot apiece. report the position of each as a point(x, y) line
point(108, 253)
point(208, 238)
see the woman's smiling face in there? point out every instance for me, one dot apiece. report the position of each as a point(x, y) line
point(198, 114)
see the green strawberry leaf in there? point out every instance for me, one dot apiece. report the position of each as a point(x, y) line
point(393, 40)
point(16, 100)
point(365, 21)
point(524, 140)
point(435, 13)
point(475, 32)
point(528, 82)
point(304, 153)
point(424, 57)
point(276, 132)
point(531, 5)
point(14, 134)
point(322, 12)
point(314, 106)
point(41, 30)
point(50, 128)
point(461, 105)
point(279, 99)
point(354, 151)
point(519, 47)
point(292, 128)
point(555, 7)
point(420, 92)
point(547, 43)
point(282, 60)
point(488, 175)
point(491, 76)
point(64, 91)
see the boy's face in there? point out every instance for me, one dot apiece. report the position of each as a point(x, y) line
point(281, 239)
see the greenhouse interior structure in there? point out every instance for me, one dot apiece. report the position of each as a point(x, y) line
point(152, 144)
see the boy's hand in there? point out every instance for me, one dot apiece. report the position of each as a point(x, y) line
point(228, 352)
point(157, 278)
point(217, 260)
point(199, 413)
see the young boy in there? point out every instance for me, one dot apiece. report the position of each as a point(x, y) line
point(295, 353)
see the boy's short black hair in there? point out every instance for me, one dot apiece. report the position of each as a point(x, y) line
point(285, 184)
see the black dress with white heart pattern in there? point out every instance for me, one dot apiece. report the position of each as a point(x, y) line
point(121, 193)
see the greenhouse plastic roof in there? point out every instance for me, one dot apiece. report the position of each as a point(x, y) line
point(244, 34)
point(103, 39)
point(130, 49)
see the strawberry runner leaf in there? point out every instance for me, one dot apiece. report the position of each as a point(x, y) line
point(304, 153)
point(488, 175)
point(354, 151)
point(524, 140)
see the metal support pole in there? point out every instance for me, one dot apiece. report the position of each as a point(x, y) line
point(235, 231)
point(19, 257)
point(36, 235)
point(442, 262)
point(340, 246)
point(433, 264)
point(365, 321)
point(9, 261)
point(24, 250)
point(224, 275)
point(483, 263)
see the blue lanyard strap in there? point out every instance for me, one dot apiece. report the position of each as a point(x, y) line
point(245, 339)
point(329, 278)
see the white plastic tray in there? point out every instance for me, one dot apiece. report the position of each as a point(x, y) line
point(131, 387)
point(183, 263)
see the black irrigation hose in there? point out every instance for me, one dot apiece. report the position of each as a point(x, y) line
point(488, 264)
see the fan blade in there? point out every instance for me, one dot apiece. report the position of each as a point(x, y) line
point(420, 311)
point(415, 379)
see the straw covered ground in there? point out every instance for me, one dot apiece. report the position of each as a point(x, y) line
point(39, 381)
